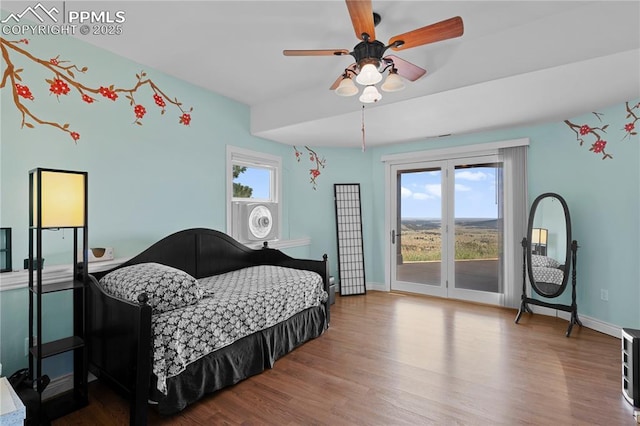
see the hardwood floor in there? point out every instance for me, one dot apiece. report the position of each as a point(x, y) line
point(400, 359)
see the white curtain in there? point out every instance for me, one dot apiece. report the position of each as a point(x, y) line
point(515, 220)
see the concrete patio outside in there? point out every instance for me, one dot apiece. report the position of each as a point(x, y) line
point(481, 274)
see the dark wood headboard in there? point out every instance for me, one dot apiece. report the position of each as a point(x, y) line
point(203, 252)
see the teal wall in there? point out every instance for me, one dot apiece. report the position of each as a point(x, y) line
point(603, 197)
point(148, 181)
point(145, 182)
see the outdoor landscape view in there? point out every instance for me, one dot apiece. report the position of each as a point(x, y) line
point(474, 239)
point(475, 211)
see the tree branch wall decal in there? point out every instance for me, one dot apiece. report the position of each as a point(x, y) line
point(632, 112)
point(318, 164)
point(582, 131)
point(64, 82)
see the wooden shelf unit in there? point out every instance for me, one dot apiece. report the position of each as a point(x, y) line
point(39, 347)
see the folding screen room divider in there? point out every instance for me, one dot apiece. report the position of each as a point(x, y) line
point(349, 235)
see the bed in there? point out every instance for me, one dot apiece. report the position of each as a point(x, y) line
point(547, 272)
point(196, 312)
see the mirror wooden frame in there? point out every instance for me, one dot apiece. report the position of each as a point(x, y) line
point(569, 267)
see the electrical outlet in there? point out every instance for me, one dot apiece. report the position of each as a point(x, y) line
point(27, 346)
point(604, 295)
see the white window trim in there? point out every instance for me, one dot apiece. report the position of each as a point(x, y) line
point(236, 155)
point(452, 152)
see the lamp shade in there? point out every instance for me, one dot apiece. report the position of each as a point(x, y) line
point(392, 83)
point(346, 87)
point(370, 94)
point(61, 196)
point(368, 75)
point(539, 235)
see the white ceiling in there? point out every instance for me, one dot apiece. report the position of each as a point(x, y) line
point(518, 62)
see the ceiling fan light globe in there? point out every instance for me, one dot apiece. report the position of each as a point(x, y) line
point(368, 75)
point(346, 88)
point(370, 95)
point(392, 83)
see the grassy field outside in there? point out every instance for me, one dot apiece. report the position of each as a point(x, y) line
point(475, 239)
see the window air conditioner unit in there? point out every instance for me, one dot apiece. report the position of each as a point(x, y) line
point(255, 221)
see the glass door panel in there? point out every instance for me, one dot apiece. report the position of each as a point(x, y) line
point(418, 231)
point(447, 232)
point(478, 227)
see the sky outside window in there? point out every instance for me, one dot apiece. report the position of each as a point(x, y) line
point(257, 178)
point(475, 194)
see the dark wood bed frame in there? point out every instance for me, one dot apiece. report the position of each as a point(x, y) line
point(118, 332)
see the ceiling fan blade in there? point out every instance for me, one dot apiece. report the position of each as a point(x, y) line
point(443, 30)
point(406, 69)
point(319, 52)
point(335, 84)
point(361, 13)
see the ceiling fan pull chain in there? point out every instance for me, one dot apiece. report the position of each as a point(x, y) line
point(363, 133)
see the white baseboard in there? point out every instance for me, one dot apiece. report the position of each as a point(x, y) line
point(592, 323)
point(58, 385)
point(61, 384)
point(589, 322)
point(376, 286)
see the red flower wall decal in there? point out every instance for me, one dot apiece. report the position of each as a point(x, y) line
point(159, 101)
point(64, 83)
point(24, 92)
point(58, 87)
point(108, 92)
point(185, 119)
point(318, 164)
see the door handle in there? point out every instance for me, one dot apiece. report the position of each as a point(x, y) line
point(394, 235)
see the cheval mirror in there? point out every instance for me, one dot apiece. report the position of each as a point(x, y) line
point(549, 257)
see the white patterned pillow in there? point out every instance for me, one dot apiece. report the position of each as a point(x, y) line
point(167, 288)
point(544, 261)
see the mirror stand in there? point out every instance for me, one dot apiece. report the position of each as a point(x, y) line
point(526, 301)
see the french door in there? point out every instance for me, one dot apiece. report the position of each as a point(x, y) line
point(447, 228)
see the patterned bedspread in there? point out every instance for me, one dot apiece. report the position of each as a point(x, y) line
point(548, 275)
point(235, 305)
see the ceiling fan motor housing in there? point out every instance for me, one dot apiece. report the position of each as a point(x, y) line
point(368, 52)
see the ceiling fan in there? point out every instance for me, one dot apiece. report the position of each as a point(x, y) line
point(369, 53)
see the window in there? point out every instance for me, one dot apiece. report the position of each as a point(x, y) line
point(253, 195)
point(253, 182)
